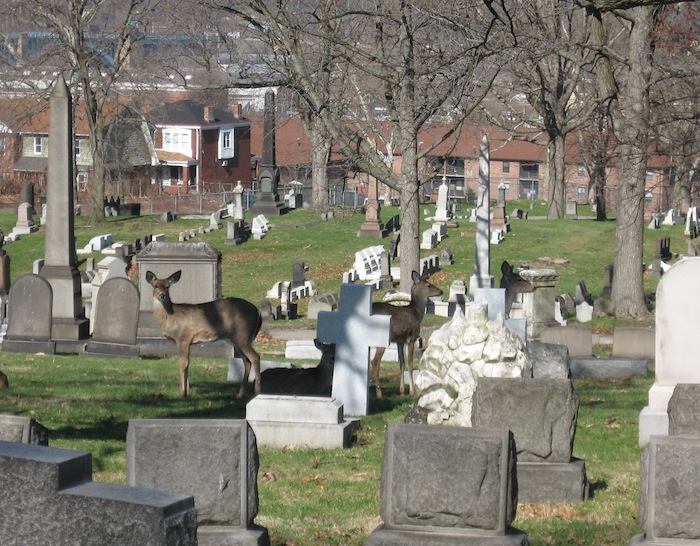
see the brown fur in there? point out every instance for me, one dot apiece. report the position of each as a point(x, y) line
point(4, 383)
point(234, 319)
point(405, 329)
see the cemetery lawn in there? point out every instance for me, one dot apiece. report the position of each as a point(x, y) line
point(314, 497)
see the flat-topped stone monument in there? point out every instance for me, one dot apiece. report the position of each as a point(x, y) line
point(49, 498)
point(214, 460)
point(447, 486)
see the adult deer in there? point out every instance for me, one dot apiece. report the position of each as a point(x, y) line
point(234, 319)
point(405, 329)
point(514, 285)
point(311, 381)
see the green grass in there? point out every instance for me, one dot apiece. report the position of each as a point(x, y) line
point(316, 497)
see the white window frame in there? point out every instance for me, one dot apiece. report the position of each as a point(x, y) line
point(38, 145)
point(76, 147)
point(177, 140)
point(226, 149)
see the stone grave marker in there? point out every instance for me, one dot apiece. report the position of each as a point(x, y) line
point(442, 212)
point(571, 210)
point(25, 430)
point(470, 497)
point(25, 223)
point(677, 344)
point(116, 319)
point(482, 277)
point(670, 491)
point(214, 460)
point(49, 498)
point(29, 316)
point(541, 413)
point(354, 330)
point(538, 305)
point(684, 410)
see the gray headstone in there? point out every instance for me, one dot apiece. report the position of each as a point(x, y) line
point(634, 342)
point(117, 312)
point(541, 413)
point(49, 498)
point(549, 360)
point(684, 410)
point(578, 340)
point(214, 460)
point(452, 480)
point(14, 428)
point(29, 314)
point(670, 490)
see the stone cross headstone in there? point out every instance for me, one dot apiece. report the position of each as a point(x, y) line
point(353, 329)
point(677, 344)
point(49, 498)
point(60, 258)
point(482, 277)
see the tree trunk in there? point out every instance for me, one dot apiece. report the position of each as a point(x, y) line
point(632, 123)
point(320, 151)
point(556, 194)
point(410, 232)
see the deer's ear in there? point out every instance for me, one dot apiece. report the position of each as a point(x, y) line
point(175, 277)
point(415, 276)
point(506, 268)
point(150, 277)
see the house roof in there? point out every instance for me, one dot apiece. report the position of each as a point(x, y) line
point(31, 164)
point(174, 157)
point(293, 147)
point(191, 114)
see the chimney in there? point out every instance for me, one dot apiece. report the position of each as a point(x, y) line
point(209, 114)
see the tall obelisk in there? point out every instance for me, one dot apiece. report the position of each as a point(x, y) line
point(482, 277)
point(60, 258)
point(267, 200)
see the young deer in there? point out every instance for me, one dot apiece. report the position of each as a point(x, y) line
point(405, 329)
point(514, 285)
point(234, 319)
point(312, 381)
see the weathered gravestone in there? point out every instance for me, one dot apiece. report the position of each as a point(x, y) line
point(670, 491)
point(116, 319)
point(214, 460)
point(538, 305)
point(14, 428)
point(677, 344)
point(447, 485)
point(541, 414)
point(25, 223)
point(29, 316)
point(354, 330)
point(49, 498)
point(684, 410)
point(549, 360)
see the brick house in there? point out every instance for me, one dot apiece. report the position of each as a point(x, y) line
point(200, 148)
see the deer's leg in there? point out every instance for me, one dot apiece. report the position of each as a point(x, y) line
point(183, 349)
point(402, 366)
point(410, 345)
point(251, 358)
point(379, 353)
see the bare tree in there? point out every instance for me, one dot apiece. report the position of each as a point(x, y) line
point(395, 67)
point(91, 40)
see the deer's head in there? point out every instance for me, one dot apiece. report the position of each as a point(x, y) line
point(421, 288)
point(161, 289)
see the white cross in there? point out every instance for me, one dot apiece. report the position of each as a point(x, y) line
point(353, 329)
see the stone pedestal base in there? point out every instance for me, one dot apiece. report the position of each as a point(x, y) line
point(210, 535)
point(300, 420)
point(552, 482)
point(382, 536)
point(70, 329)
point(104, 348)
point(28, 346)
